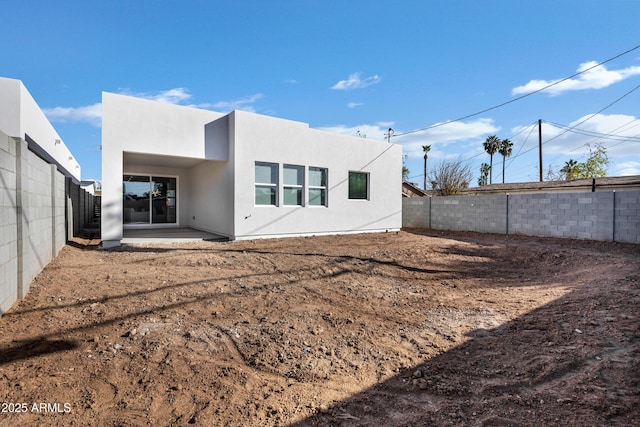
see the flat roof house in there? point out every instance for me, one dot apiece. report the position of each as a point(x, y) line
point(41, 204)
point(240, 175)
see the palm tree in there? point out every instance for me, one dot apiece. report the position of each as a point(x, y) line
point(484, 174)
point(491, 146)
point(506, 148)
point(426, 149)
point(570, 169)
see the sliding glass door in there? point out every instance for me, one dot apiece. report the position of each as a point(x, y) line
point(149, 199)
point(163, 200)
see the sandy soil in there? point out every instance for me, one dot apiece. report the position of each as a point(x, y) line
point(396, 329)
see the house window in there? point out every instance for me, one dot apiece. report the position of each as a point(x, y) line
point(293, 177)
point(149, 199)
point(317, 186)
point(359, 185)
point(266, 183)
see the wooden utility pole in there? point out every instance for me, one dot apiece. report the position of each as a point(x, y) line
point(389, 134)
point(540, 146)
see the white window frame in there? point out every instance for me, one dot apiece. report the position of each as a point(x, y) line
point(298, 186)
point(324, 187)
point(266, 184)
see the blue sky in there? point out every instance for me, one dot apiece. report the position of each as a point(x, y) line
point(348, 66)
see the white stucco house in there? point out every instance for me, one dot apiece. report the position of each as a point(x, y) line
point(240, 175)
point(21, 117)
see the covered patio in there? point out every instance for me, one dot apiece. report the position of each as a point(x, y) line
point(168, 235)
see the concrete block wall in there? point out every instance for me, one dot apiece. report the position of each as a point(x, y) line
point(82, 208)
point(74, 210)
point(571, 215)
point(8, 224)
point(33, 216)
point(601, 216)
point(59, 235)
point(485, 214)
point(416, 212)
point(627, 216)
point(36, 223)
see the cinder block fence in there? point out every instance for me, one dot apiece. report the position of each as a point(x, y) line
point(602, 215)
point(40, 209)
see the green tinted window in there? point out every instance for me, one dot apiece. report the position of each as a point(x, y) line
point(358, 185)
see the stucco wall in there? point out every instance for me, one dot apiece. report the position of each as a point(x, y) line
point(141, 126)
point(604, 215)
point(211, 198)
point(220, 196)
point(20, 116)
point(213, 181)
point(267, 139)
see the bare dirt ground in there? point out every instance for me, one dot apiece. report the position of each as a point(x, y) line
point(397, 329)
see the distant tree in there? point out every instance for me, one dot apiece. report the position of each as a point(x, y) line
point(405, 169)
point(426, 149)
point(505, 149)
point(491, 146)
point(450, 177)
point(596, 164)
point(570, 169)
point(551, 174)
point(484, 174)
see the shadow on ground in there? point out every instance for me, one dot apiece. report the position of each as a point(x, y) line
point(582, 369)
point(28, 349)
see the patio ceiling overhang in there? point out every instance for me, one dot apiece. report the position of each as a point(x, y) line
point(144, 159)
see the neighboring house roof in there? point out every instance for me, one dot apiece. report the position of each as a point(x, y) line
point(574, 185)
point(410, 190)
point(88, 186)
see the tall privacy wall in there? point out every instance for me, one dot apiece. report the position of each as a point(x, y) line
point(602, 215)
point(35, 209)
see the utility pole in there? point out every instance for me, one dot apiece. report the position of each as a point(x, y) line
point(540, 146)
point(388, 135)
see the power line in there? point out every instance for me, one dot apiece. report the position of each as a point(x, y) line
point(592, 115)
point(533, 126)
point(620, 139)
point(519, 97)
point(571, 128)
point(598, 135)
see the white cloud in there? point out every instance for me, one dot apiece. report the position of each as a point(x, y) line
point(237, 104)
point(628, 168)
point(446, 134)
point(172, 96)
point(176, 95)
point(374, 131)
point(180, 96)
point(354, 81)
point(596, 78)
point(354, 104)
point(616, 126)
point(438, 137)
point(91, 114)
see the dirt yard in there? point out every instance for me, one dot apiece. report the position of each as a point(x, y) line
point(395, 329)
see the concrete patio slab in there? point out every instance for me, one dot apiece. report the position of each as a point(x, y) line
point(168, 235)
